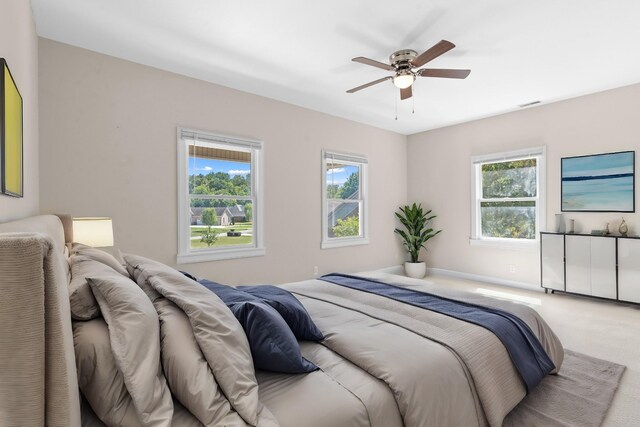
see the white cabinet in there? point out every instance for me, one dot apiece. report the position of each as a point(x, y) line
point(584, 264)
point(603, 267)
point(578, 253)
point(552, 254)
point(629, 270)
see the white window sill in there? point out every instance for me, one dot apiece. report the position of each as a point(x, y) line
point(513, 244)
point(216, 255)
point(340, 243)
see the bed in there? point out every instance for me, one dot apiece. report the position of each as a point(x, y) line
point(384, 361)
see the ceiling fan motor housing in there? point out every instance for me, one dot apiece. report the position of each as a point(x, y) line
point(401, 58)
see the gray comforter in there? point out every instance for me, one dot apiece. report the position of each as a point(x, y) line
point(382, 363)
point(440, 371)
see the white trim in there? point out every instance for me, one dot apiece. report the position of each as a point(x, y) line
point(399, 271)
point(351, 158)
point(485, 279)
point(257, 248)
point(511, 244)
point(336, 242)
point(526, 153)
point(339, 243)
point(192, 134)
point(194, 257)
point(475, 238)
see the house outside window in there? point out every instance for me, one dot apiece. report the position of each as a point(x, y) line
point(219, 197)
point(508, 198)
point(344, 200)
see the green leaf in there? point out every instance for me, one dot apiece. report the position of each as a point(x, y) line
point(416, 231)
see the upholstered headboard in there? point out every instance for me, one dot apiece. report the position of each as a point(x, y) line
point(58, 227)
point(37, 365)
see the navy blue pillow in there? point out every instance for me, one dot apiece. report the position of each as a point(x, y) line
point(291, 310)
point(229, 295)
point(273, 345)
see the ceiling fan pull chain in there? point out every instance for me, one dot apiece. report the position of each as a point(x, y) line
point(413, 107)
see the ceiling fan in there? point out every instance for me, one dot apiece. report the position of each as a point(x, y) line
point(403, 64)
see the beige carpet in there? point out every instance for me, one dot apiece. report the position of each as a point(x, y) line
point(579, 395)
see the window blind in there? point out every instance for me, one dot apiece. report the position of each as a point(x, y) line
point(511, 155)
point(191, 136)
point(345, 157)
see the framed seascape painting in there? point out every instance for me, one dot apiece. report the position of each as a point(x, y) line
point(11, 178)
point(599, 183)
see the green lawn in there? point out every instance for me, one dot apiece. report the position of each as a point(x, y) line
point(197, 230)
point(224, 241)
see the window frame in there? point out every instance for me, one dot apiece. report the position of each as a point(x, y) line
point(354, 160)
point(257, 248)
point(476, 238)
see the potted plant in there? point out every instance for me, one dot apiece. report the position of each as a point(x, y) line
point(416, 234)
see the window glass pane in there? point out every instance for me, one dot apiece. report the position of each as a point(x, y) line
point(220, 172)
point(513, 220)
point(218, 222)
point(509, 179)
point(343, 181)
point(344, 219)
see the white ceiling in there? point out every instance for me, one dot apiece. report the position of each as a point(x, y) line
point(300, 51)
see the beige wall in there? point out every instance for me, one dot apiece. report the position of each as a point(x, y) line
point(19, 46)
point(109, 148)
point(439, 172)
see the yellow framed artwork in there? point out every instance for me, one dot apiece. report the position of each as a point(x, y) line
point(11, 161)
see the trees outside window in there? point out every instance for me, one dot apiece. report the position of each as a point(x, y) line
point(219, 183)
point(508, 199)
point(344, 200)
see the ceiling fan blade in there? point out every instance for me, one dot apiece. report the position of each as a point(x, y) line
point(366, 85)
point(373, 63)
point(446, 73)
point(406, 93)
point(438, 49)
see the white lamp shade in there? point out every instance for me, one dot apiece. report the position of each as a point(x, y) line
point(96, 232)
point(403, 81)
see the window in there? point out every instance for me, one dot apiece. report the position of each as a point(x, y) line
point(219, 197)
point(344, 200)
point(508, 197)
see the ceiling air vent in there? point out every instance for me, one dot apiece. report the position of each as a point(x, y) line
point(529, 104)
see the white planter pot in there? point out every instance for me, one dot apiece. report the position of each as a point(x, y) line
point(417, 270)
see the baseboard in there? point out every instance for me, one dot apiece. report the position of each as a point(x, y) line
point(485, 279)
point(399, 270)
point(394, 269)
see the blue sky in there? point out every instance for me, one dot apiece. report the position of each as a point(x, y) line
point(202, 166)
point(340, 174)
point(609, 164)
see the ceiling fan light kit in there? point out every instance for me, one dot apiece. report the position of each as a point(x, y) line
point(403, 63)
point(403, 79)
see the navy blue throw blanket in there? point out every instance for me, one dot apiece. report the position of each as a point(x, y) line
point(527, 354)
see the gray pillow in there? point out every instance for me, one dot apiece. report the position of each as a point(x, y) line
point(134, 333)
point(99, 379)
point(98, 255)
point(102, 384)
point(83, 304)
point(216, 330)
point(186, 370)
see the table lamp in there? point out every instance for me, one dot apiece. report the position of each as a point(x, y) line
point(95, 232)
